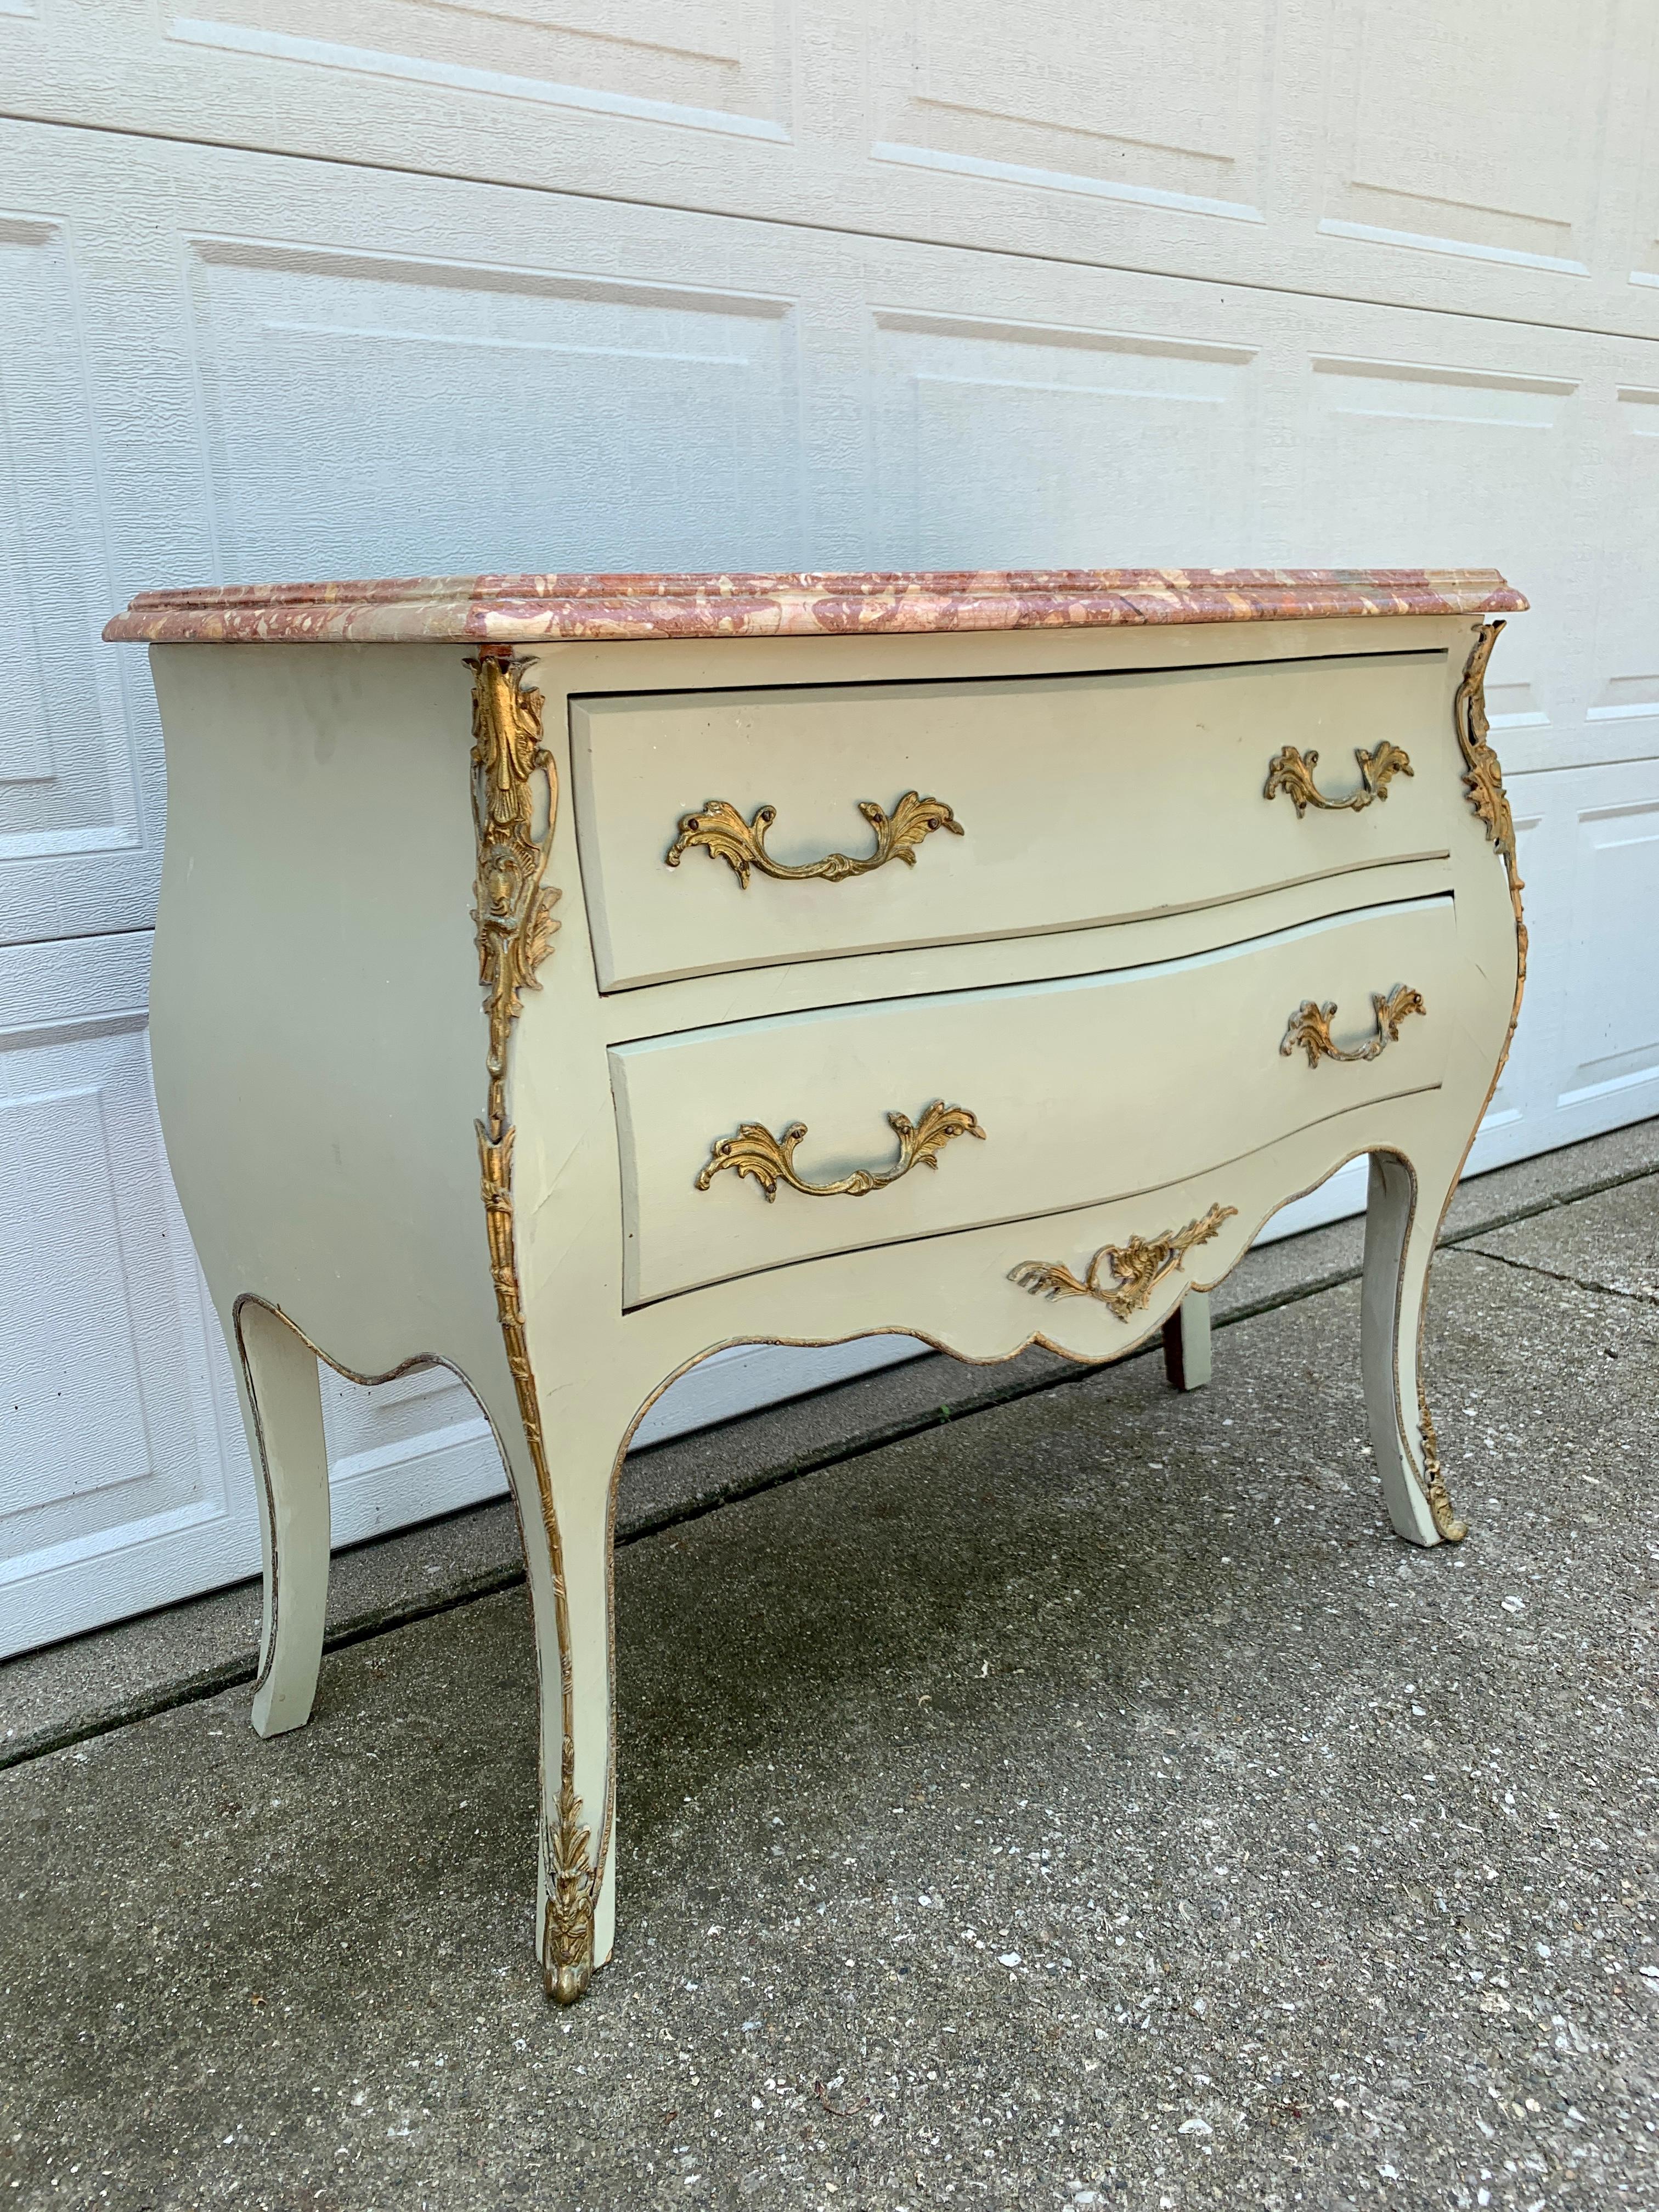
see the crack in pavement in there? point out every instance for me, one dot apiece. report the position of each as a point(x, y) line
point(1555, 1274)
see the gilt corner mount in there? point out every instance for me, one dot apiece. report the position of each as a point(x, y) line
point(512, 914)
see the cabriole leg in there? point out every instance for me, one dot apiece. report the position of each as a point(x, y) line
point(576, 1909)
point(283, 1405)
point(565, 1514)
point(1187, 1343)
point(1402, 1220)
point(560, 1446)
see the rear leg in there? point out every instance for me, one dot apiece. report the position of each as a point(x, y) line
point(1187, 1343)
point(283, 1405)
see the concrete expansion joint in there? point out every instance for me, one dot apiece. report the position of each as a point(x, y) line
point(1571, 1195)
point(1555, 1275)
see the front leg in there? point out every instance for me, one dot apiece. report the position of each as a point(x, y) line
point(562, 1472)
point(570, 1603)
point(1403, 1220)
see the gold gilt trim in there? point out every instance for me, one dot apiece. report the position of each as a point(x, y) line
point(1483, 777)
point(1137, 1269)
point(1291, 772)
point(1442, 1512)
point(771, 1160)
point(1309, 1029)
point(1483, 780)
point(513, 912)
point(725, 836)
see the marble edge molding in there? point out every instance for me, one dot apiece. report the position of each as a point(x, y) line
point(522, 610)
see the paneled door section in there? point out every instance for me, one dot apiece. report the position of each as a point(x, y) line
point(224, 365)
point(1394, 150)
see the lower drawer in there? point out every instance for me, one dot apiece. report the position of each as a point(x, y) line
point(1072, 1093)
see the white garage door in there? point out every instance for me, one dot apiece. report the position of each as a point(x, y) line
point(726, 283)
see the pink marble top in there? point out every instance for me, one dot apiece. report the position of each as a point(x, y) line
point(513, 609)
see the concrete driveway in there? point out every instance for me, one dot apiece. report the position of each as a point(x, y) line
point(1081, 1800)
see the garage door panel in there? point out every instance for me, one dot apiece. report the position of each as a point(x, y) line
point(404, 1450)
point(73, 855)
point(1624, 675)
point(1017, 444)
point(1418, 453)
point(1640, 242)
point(1240, 144)
point(1509, 1127)
point(684, 61)
point(622, 404)
point(1587, 1056)
point(1612, 1038)
point(1435, 145)
point(113, 1435)
point(1140, 104)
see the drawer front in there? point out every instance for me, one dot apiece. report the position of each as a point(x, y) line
point(989, 809)
point(1013, 1103)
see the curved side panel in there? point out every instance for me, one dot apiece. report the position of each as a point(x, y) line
point(316, 1051)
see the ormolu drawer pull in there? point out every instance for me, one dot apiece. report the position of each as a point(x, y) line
point(1137, 1266)
point(1310, 1026)
point(725, 836)
point(1291, 771)
point(771, 1160)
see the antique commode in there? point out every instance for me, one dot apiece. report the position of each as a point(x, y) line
point(531, 997)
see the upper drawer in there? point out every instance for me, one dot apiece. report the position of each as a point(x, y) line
point(1084, 1088)
point(1080, 799)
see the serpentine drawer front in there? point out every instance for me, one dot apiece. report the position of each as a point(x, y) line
point(563, 978)
point(1033, 1065)
point(1055, 803)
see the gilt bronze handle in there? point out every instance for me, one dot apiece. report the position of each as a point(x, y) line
point(1310, 1026)
point(725, 836)
point(771, 1160)
point(1291, 772)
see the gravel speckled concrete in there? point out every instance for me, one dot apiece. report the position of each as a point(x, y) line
point(1550, 1179)
point(1086, 1804)
point(1609, 1242)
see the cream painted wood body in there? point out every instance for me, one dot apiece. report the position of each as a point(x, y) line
point(1103, 969)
